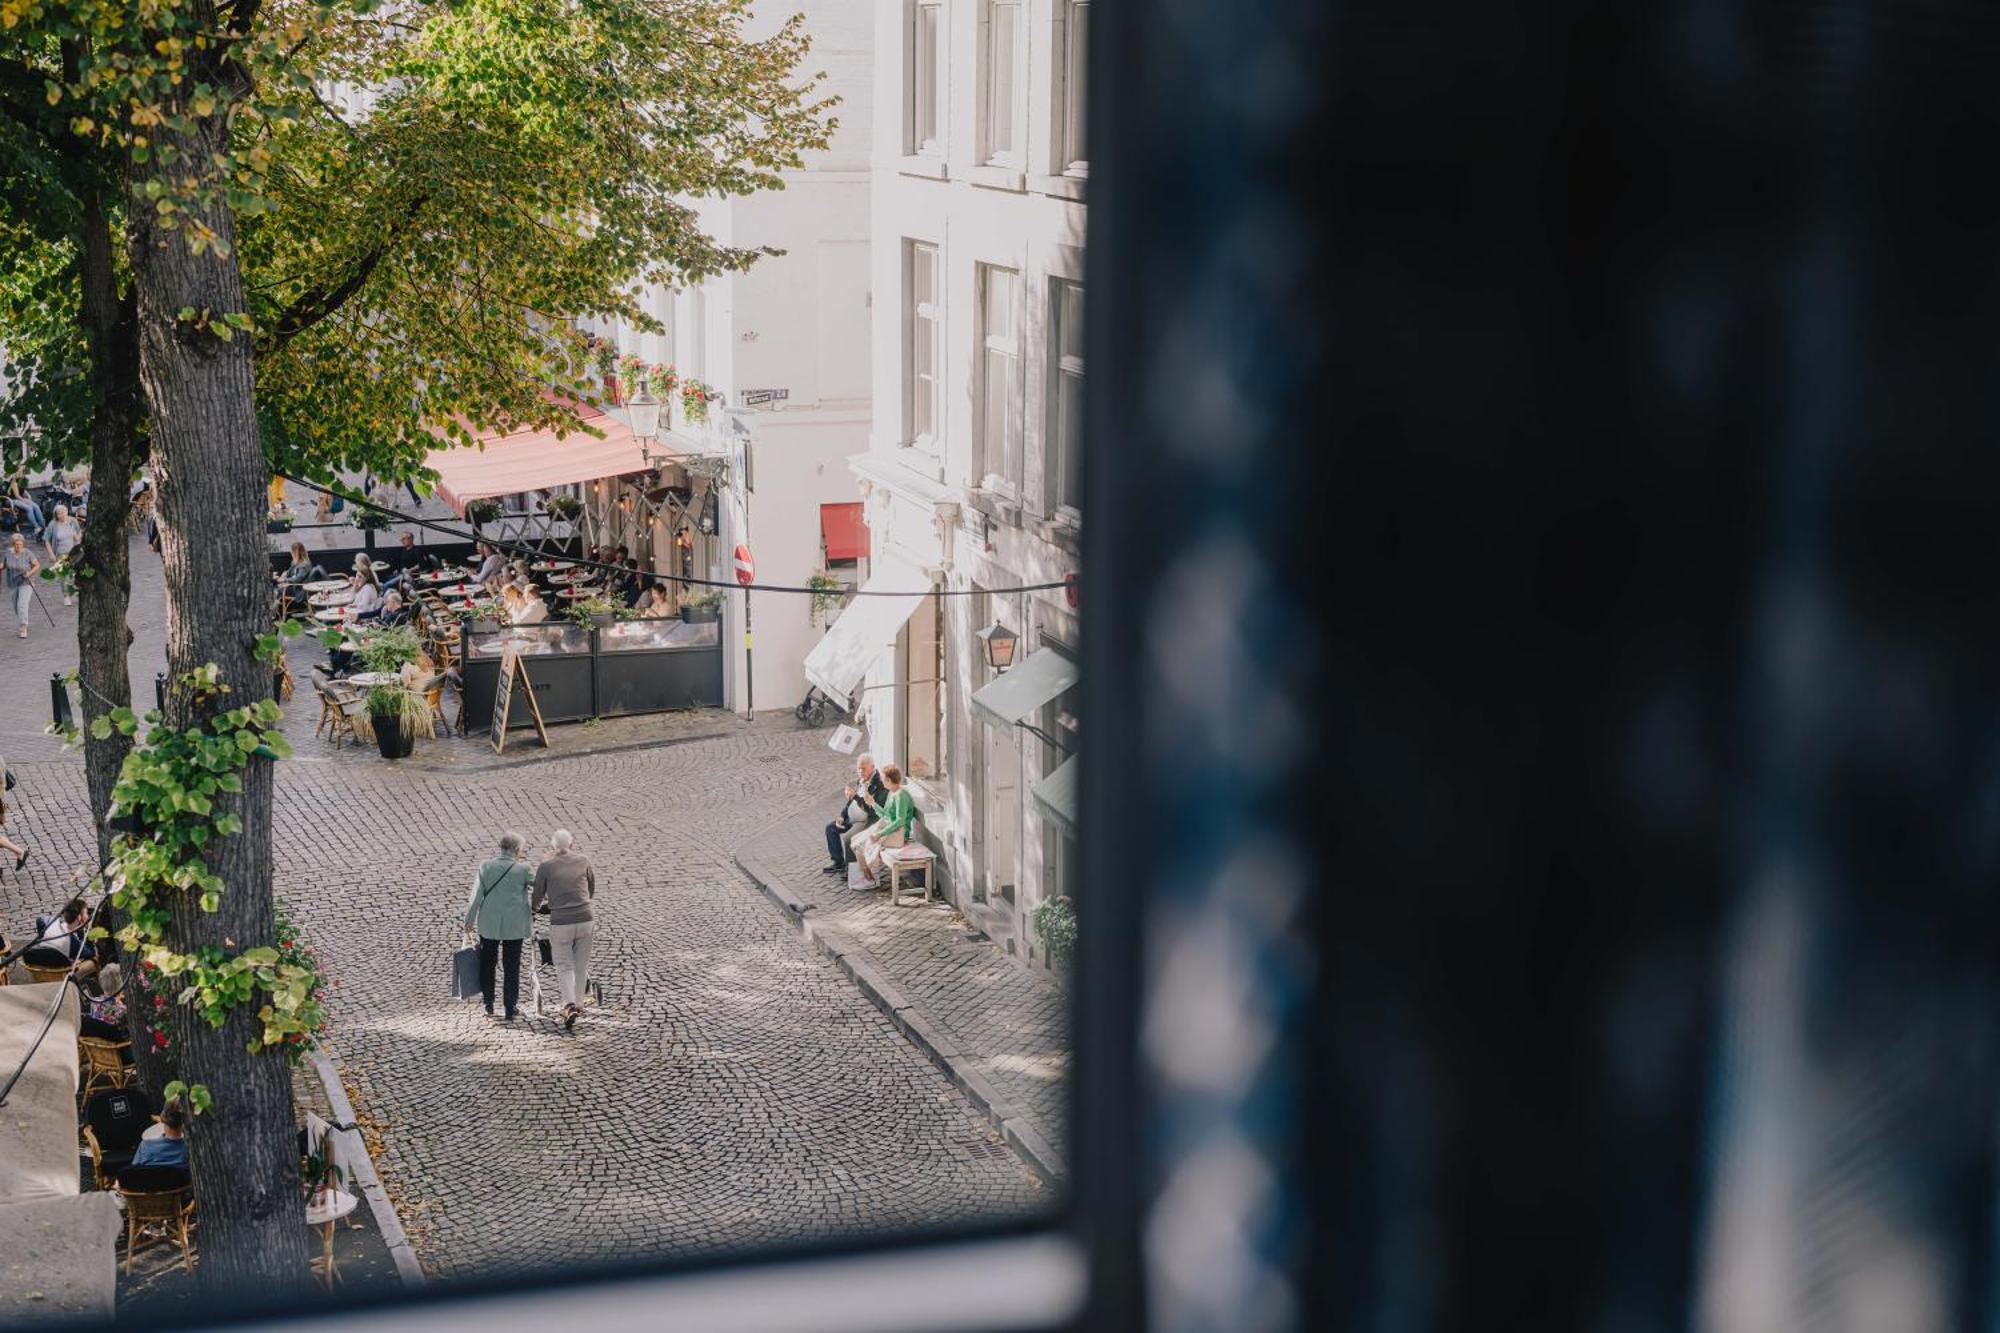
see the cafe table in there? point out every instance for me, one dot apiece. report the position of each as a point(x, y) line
point(442, 576)
point(544, 566)
point(325, 1209)
point(459, 589)
point(333, 615)
point(579, 593)
point(325, 599)
point(368, 680)
point(325, 585)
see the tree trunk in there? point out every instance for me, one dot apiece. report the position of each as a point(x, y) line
point(210, 475)
point(104, 592)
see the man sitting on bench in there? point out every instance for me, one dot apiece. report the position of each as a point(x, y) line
point(841, 829)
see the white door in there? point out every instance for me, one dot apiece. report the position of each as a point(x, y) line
point(1003, 813)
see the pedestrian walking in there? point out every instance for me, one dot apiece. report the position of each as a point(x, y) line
point(21, 568)
point(497, 913)
point(63, 535)
point(565, 887)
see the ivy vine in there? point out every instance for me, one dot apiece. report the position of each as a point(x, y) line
point(169, 786)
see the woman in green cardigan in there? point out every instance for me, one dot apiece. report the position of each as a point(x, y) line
point(897, 813)
point(497, 912)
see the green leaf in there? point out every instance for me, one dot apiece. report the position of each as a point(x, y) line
point(100, 728)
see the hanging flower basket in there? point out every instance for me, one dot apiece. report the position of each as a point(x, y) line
point(482, 511)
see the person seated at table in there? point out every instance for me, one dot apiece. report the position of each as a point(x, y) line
point(64, 932)
point(491, 563)
point(511, 603)
point(404, 561)
point(658, 602)
point(533, 609)
point(170, 1148)
point(302, 569)
point(24, 502)
point(392, 610)
point(635, 583)
point(367, 593)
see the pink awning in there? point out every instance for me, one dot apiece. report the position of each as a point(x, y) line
point(531, 460)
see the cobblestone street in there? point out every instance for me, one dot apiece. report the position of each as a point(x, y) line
point(736, 1089)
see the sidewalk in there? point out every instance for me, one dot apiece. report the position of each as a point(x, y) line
point(999, 1030)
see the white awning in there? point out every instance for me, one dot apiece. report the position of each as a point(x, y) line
point(1056, 794)
point(1013, 695)
point(868, 628)
point(38, 1128)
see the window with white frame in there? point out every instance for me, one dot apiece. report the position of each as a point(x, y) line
point(923, 320)
point(1072, 152)
point(927, 68)
point(1002, 125)
point(1000, 387)
point(1065, 461)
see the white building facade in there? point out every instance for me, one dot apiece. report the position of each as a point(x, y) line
point(972, 473)
point(786, 347)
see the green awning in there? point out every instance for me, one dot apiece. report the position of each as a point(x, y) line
point(1039, 678)
point(1056, 794)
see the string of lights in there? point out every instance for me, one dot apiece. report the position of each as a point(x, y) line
point(515, 548)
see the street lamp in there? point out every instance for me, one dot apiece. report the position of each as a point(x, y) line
point(998, 643)
point(644, 410)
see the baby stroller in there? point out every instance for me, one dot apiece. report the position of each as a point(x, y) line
point(816, 708)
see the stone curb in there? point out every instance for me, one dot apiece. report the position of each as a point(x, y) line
point(922, 1031)
point(354, 1151)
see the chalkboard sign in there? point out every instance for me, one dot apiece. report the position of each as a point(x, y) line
point(511, 665)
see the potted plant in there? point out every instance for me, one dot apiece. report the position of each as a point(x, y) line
point(399, 715)
point(1055, 927)
point(278, 520)
point(827, 592)
point(564, 507)
point(694, 400)
point(702, 608)
point(390, 649)
point(599, 610)
point(370, 520)
point(481, 511)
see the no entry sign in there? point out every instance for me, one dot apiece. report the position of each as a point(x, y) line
point(746, 568)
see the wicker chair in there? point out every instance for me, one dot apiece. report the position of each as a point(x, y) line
point(103, 1064)
point(46, 972)
point(157, 1211)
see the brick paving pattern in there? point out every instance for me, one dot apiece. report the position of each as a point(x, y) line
point(1008, 1022)
point(736, 1090)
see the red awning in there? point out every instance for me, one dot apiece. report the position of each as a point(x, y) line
point(531, 460)
point(845, 533)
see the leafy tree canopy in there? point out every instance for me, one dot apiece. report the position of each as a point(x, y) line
point(426, 195)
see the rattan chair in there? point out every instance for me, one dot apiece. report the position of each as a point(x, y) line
point(156, 1211)
point(46, 972)
point(103, 1064)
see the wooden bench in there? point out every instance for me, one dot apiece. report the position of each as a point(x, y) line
point(914, 858)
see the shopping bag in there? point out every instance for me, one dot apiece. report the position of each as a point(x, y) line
point(465, 974)
point(857, 878)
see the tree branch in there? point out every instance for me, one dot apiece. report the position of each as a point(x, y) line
point(315, 304)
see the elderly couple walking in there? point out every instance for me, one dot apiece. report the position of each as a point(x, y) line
point(504, 896)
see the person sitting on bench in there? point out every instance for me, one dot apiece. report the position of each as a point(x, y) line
point(841, 829)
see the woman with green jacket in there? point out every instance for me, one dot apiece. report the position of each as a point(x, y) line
point(497, 912)
point(897, 815)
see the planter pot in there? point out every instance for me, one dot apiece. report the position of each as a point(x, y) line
point(389, 737)
point(277, 525)
point(602, 618)
point(701, 615)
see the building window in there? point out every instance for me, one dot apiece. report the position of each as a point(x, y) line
point(1073, 150)
point(1006, 78)
point(1065, 463)
point(923, 321)
point(1000, 374)
point(927, 67)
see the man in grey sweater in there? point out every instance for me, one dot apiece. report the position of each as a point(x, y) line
point(564, 887)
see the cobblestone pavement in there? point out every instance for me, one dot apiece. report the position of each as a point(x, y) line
point(735, 1091)
point(1007, 1022)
